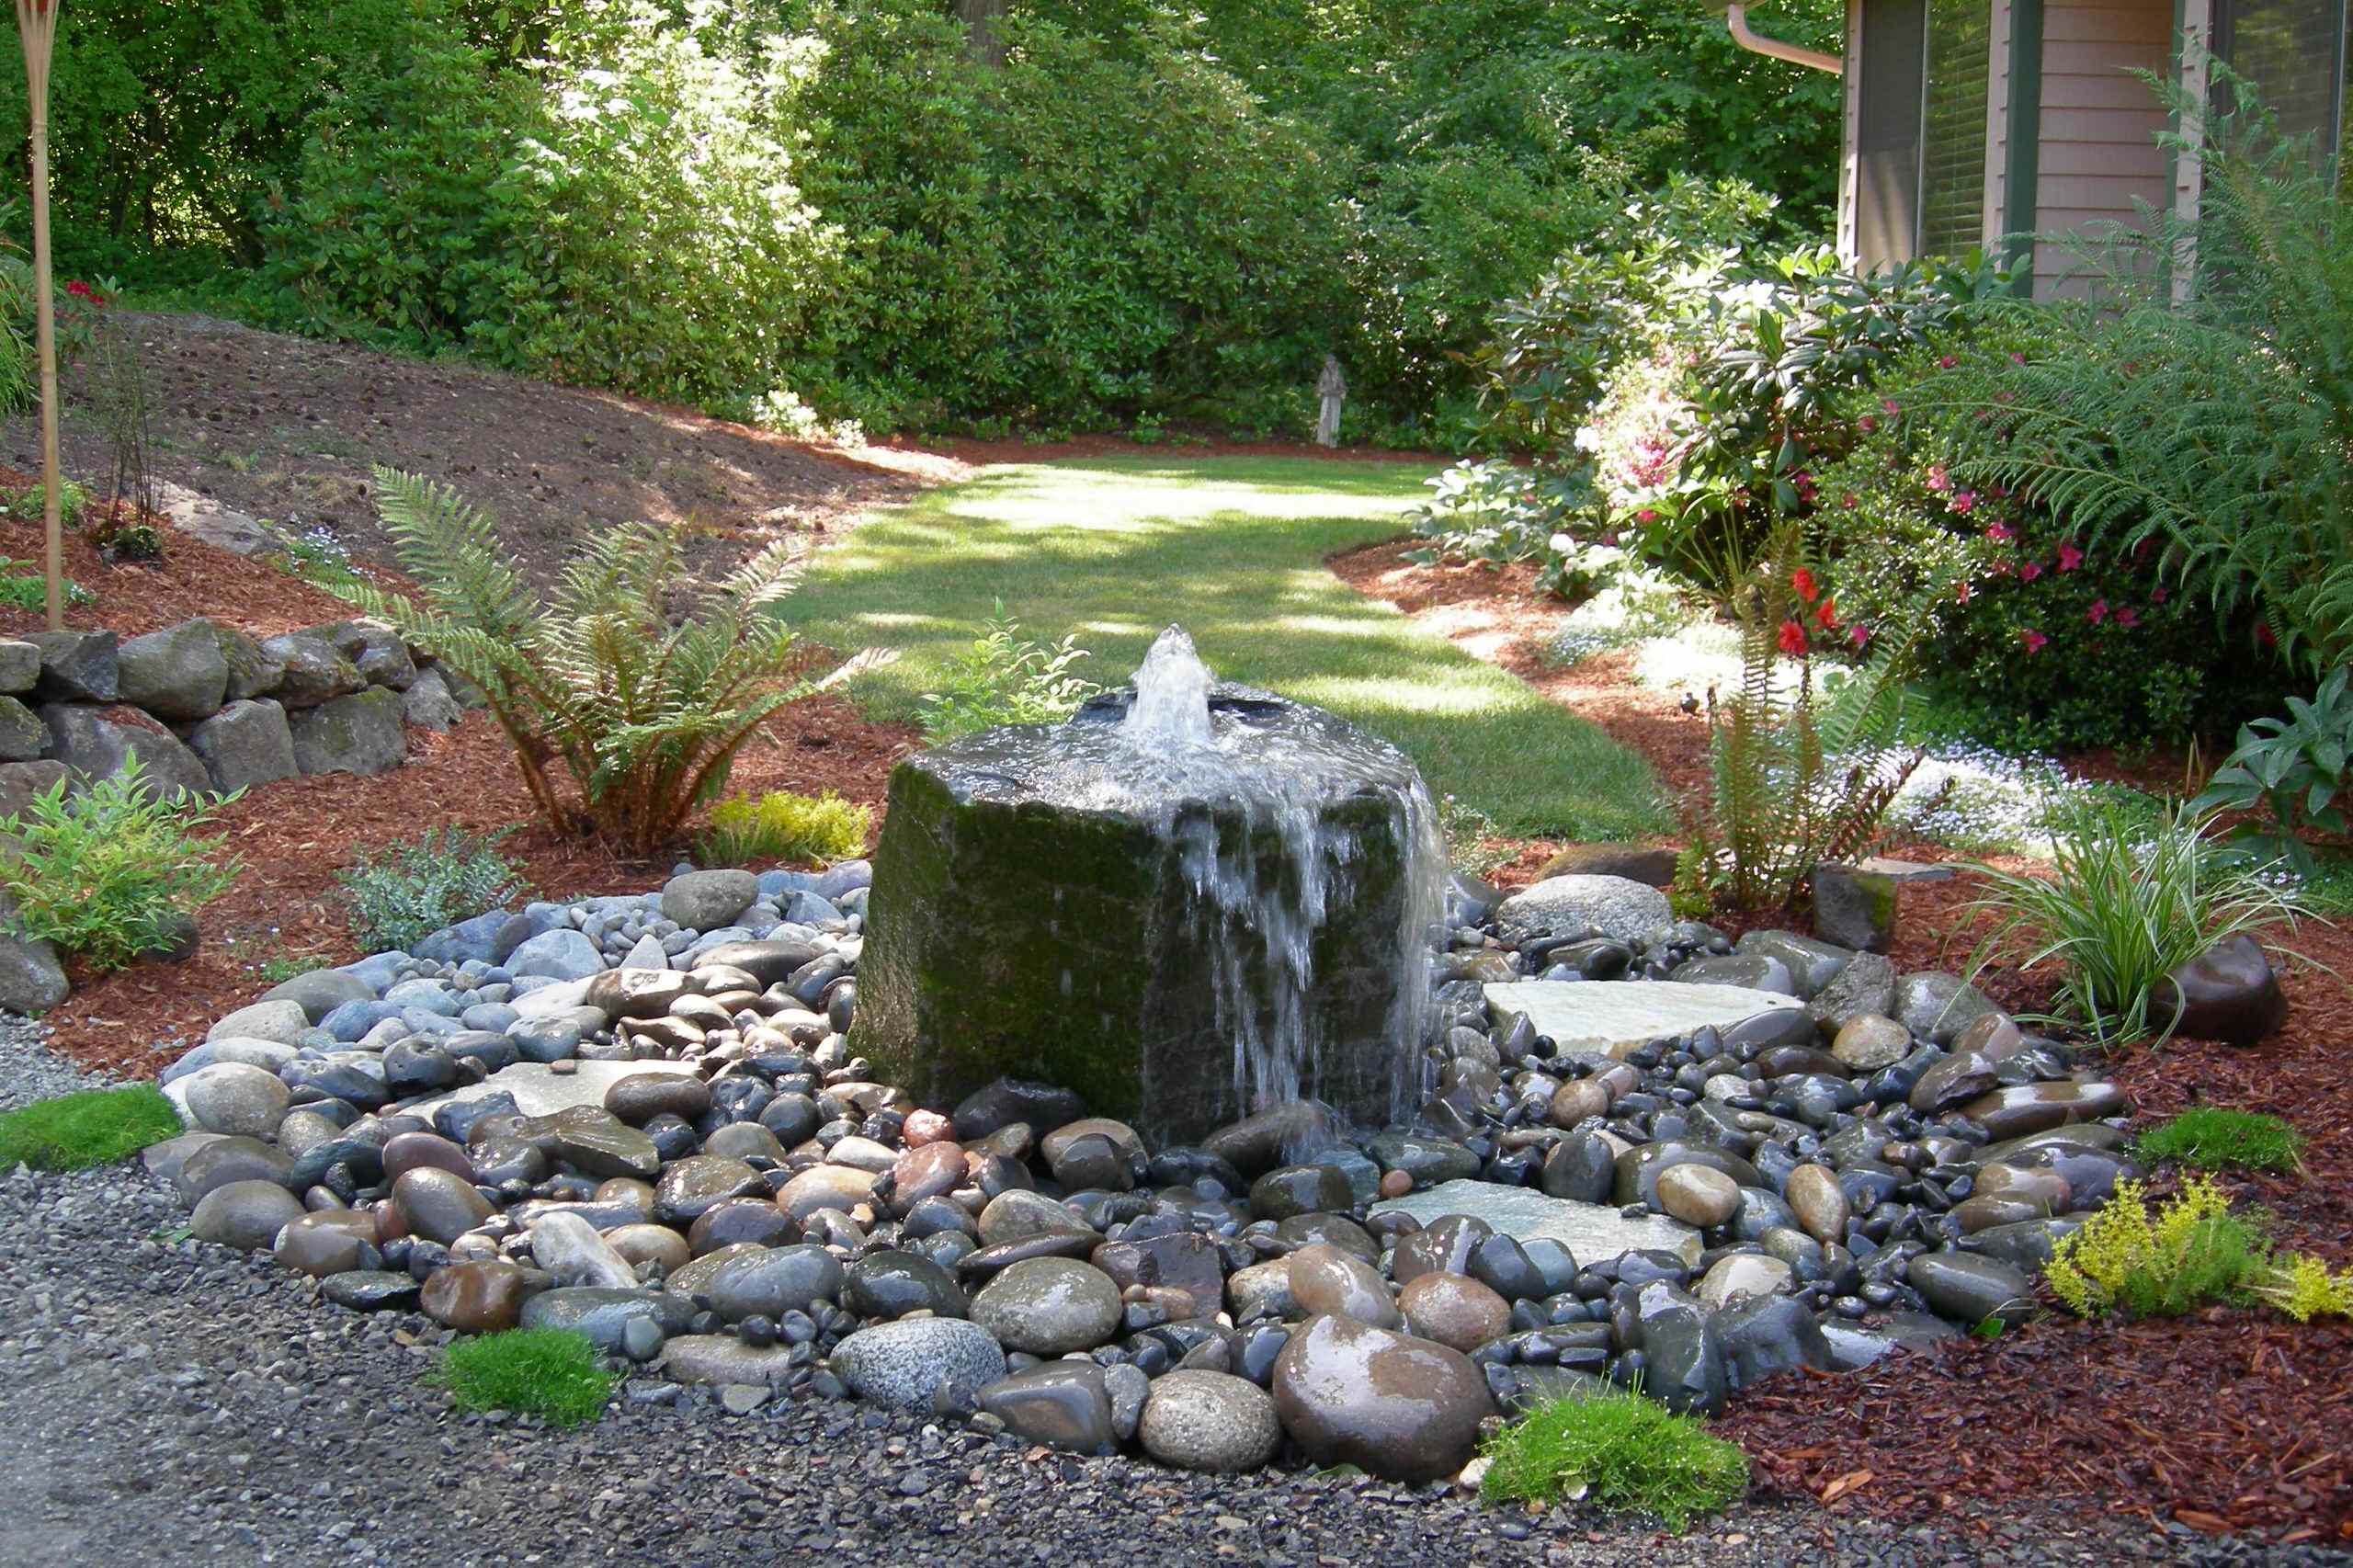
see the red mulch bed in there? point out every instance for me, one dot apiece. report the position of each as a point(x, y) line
point(2231, 1420)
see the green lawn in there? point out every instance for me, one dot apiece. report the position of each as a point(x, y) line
point(1233, 549)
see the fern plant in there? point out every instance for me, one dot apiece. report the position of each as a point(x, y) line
point(1803, 765)
point(2201, 398)
point(1007, 678)
point(596, 683)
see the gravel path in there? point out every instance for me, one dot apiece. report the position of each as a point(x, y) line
point(169, 1403)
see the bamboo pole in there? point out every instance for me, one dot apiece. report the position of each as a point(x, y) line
point(37, 26)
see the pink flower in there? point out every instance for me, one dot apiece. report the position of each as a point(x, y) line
point(2098, 613)
point(1937, 478)
point(1999, 532)
point(1963, 502)
point(1890, 406)
point(2125, 616)
point(2017, 357)
point(1946, 362)
point(1867, 425)
point(2160, 594)
point(1859, 634)
point(2069, 556)
point(2035, 641)
point(2029, 570)
point(1646, 515)
point(1793, 638)
point(1962, 593)
point(1849, 502)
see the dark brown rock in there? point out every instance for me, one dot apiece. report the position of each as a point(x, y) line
point(2227, 993)
point(1403, 1408)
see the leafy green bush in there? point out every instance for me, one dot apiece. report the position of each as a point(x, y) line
point(27, 505)
point(115, 870)
point(819, 829)
point(21, 592)
point(2215, 423)
point(2216, 1138)
point(2126, 903)
point(645, 716)
point(73, 1131)
point(552, 1373)
point(1627, 1451)
point(2294, 770)
point(399, 896)
point(1005, 678)
point(2192, 1252)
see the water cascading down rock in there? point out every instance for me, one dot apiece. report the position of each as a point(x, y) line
point(1189, 901)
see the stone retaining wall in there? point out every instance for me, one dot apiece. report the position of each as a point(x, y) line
point(207, 707)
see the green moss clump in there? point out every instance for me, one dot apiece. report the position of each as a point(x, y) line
point(87, 1128)
point(549, 1372)
point(1628, 1452)
point(2216, 1138)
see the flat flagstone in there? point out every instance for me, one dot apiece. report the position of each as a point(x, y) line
point(1590, 1230)
point(539, 1092)
point(1616, 1016)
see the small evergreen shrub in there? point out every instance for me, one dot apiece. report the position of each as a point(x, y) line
point(29, 505)
point(1005, 678)
point(780, 826)
point(2304, 1288)
point(112, 872)
point(400, 895)
point(20, 592)
point(1629, 1452)
point(2218, 1138)
point(2193, 1251)
point(72, 1131)
point(553, 1373)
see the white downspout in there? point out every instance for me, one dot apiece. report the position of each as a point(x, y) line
point(1736, 24)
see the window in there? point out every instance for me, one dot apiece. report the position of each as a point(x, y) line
point(1953, 117)
point(2288, 49)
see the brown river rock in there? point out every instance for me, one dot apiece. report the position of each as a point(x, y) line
point(1401, 1408)
point(440, 1206)
point(479, 1297)
point(926, 1171)
point(325, 1243)
point(1453, 1309)
point(2038, 1107)
point(1325, 1279)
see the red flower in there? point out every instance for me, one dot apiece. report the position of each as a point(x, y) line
point(1867, 425)
point(1946, 362)
point(1793, 638)
point(79, 289)
point(1802, 580)
point(2125, 616)
point(1825, 615)
point(1963, 502)
point(1962, 592)
point(2000, 532)
point(1859, 634)
point(2262, 635)
point(2160, 594)
point(1646, 515)
point(2069, 556)
point(2029, 570)
point(2035, 641)
point(2098, 613)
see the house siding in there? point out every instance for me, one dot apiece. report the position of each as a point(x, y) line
point(2099, 123)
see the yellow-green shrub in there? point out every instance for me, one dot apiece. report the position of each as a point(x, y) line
point(2194, 1250)
point(785, 827)
point(2304, 1288)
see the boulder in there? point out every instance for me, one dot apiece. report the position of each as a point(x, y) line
point(309, 670)
point(1403, 1408)
point(246, 1215)
point(177, 674)
point(252, 672)
point(2227, 993)
point(375, 650)
point(903, 1365)
point(32, 975)
point(1586, 1016)
point(246, 745)
point(20, 781)
point(707, 901)
point(360, 733)
point(1647, 864)
point(23, 738)
point(98, 743)
point(1616, 907)
point(1208, 1421)
point(76, 666)
point(430, 704)
point(19, 665)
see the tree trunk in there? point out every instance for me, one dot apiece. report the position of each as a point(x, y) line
point(982, 39)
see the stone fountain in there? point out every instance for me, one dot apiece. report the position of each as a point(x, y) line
point(1189, 901)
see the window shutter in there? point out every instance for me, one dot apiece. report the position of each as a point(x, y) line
point(1952, 152)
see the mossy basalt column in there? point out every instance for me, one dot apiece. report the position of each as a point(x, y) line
point(1174, 943)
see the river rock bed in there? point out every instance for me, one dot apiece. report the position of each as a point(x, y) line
point(643, 1118)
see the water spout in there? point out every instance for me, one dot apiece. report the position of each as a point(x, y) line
point(1172, 705)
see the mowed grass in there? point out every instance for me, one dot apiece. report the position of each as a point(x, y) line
point(91, 1128)
point(1233, 549)
point(549, 1372)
